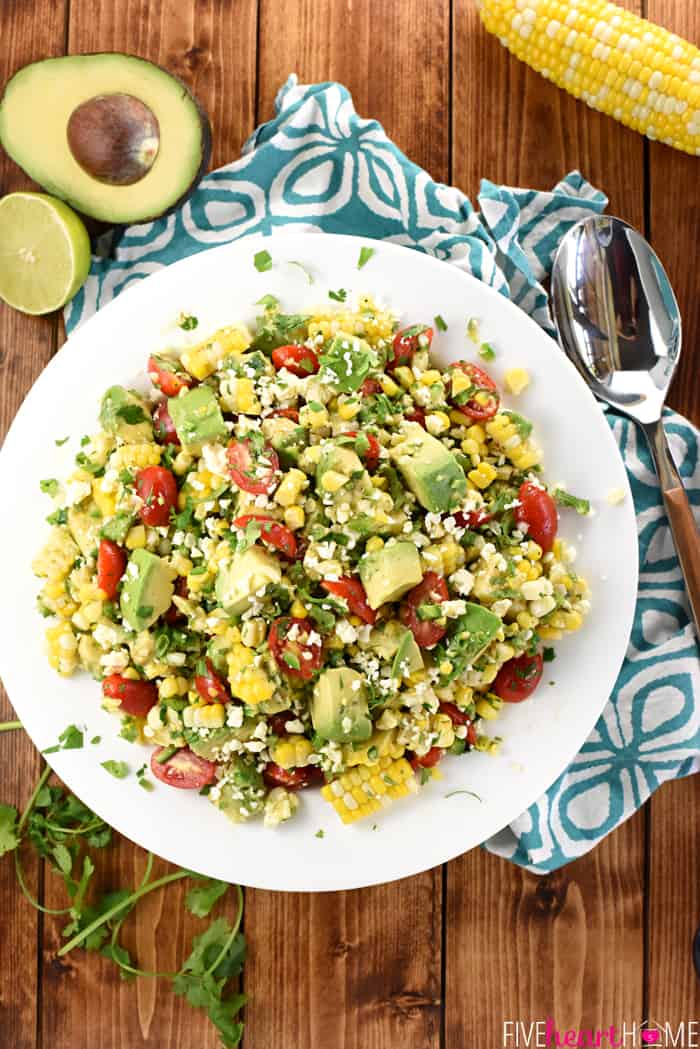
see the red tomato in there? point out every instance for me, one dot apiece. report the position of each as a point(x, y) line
point(158, 489)
point(429, 760)
point(294, 655)
point(292, 779)
point(299, 360)
point(407, 342)
point(370, 387)
point(351, 591)
point(482, 383)
point(163, 425)
point(111, 562)
point(252, 471)
point(456, 716)
point(277, 535)
point(371, 456)
point(432, 590)
point(184, 769)
point(167, 376)
point(278, 722)
point(135, 697)
point(539, 512)
point(284, 413)
point(473, 518)
point(174, 614)
point(417, 415)
point(210, 686)
point(518, 678)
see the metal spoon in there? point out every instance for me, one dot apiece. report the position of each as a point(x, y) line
point(619, 323)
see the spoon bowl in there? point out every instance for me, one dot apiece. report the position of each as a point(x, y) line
point(619, 322)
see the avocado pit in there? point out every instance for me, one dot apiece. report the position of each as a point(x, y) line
point(114, 138)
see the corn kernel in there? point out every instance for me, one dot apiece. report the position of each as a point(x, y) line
point(516, 380)
point(388, 386)
point(349, 409)
point(430, 377)
point(294, 517)
point(405, 376)
point(291, 486)
point(437, 423)
point(374, 544)
point(298, 610)
point(490, 708)
point(483, 475)
point(332, 481)
point(136, 538)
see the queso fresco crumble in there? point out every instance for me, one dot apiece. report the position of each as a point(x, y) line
point(309, 558)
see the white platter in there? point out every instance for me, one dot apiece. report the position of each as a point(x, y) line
point(540, 736)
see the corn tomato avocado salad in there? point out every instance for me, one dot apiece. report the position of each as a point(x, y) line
point(308, 557)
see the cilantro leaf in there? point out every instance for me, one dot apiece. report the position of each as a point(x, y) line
point(118, 769)
point(9, 838)
point(49, 486)
point(262, 260)
point(564, 498)
point(132, 414)
point(365, 255)
point(201, 898)
point(523, 426)
point(338, 296)
point(347, 362)
point(61, 440)
point(440, 323)
point(487, 352)
point(187, 322)
point(70, 739)
point(268, 301)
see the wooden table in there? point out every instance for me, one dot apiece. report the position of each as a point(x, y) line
point(441, 959)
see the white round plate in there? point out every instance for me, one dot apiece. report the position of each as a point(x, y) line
point(540, 737)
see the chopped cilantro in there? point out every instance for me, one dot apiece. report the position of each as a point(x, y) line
point(58, 517)
point(548, 655)
point(262, 260)
point(338, 296)
point(581, 506)
point(96, 739)
point(187, 322)
point(425, 777)
point(292, 660)
point(523, 426)
point(440, 323)
point(268, 301)
point(50, 486)
point(118, 769)
point(132, 414)
point(365, 255)
point(320, 834)
point(487, 352)
point(61, 440)
point(347, 362)
point(70, 739)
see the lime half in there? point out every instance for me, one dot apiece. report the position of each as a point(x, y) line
point(44, 252)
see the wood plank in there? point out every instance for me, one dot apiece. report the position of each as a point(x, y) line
point(673, 991)
point(28, 32)
point(360, 968)
point(212, 46)
point(391, 54)
point(540, 939)
point(567, 946)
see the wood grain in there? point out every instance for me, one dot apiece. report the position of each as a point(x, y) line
point(26, 345)
point(358, 969)
point(567, 946)
point(544, 943)
point(674, 825)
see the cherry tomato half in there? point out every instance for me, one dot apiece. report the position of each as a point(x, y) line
point(284, 413)
point(473, 518)
point(277, 535)
point(292, 779)
point(407, 342)
point(518, 678)
point(111, 562)
point(417, 415)
point(432, 590)
point(254, 472)
point(458, 717)
point(278, 722)
point(370, 387)
point(370, 456)
point(353, 593)
point(429, 760)
point(482, 383)
point(210, 686)
point(168, 376)
point(299, 360)
point(163, 425)
point(289, 643)
point(135, 697)
point(538, 511)
point(174, 614)
point(183, 769)
point(158, 489)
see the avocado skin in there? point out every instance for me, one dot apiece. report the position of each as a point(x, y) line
point(205, 136)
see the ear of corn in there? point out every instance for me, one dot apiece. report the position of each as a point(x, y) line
point(623, 65)
point(364, 790)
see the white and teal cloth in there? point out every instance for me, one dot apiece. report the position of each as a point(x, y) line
point(319, 167)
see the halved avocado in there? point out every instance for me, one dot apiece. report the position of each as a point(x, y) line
point(117, 137)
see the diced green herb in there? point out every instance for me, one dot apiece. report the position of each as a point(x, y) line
point(563, 498)
point(365, 255)
point(268, 301)
point(262, 260)
point(61, 440)
point(70, 739)
point(96, 739)
point(320, 834)
point(58, 517)
point(338, 296)
point(292, 660)
point(187, 322)
point(132, 414)
point(523, 426)
point(440, 323)
point(473, 330)
point(548, 655)
point(118, 769)
point(487, 352)
point(49, 487)
point(425, 777)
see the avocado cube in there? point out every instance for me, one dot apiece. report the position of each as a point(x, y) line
point(125, 414)
point(339, 709)
point(341, 460)
point(408, 659)
point(197, 417)
point(147, 591)
point(239, 579)
point(387, 574)
point(430, 469)
point(475, 630)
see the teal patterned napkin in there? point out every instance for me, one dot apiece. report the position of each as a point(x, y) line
point(319, 167)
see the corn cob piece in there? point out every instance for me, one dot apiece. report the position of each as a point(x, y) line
point(635, 71)
point(364, 790)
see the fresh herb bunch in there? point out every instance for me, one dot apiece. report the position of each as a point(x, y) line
point(63, 831)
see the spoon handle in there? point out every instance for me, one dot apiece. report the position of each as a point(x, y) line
point(680, 516)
